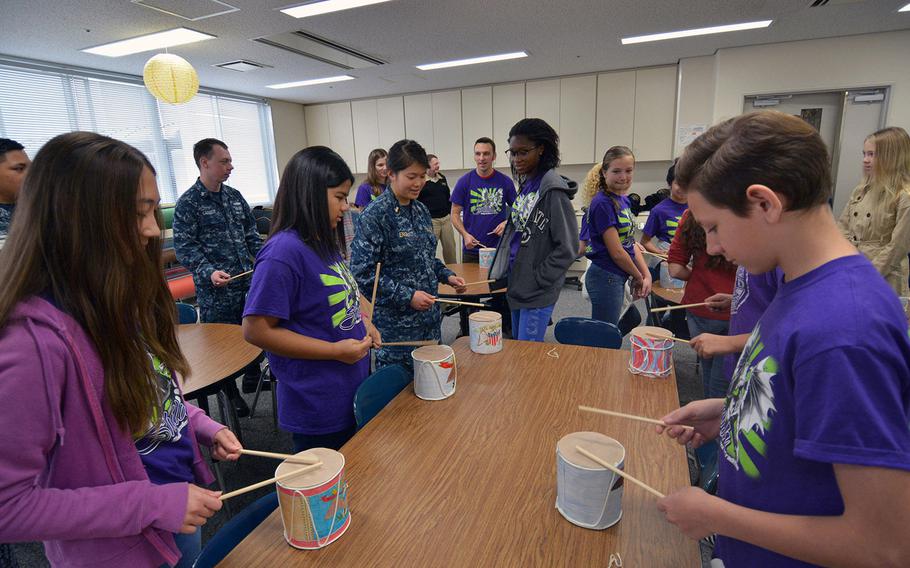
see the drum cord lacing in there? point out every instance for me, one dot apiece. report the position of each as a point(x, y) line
point(298, 502)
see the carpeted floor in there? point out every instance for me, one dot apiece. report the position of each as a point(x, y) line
point(258, 432)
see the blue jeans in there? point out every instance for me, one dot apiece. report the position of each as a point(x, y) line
point(712, 370)
point(530, 324)
point(190, 546)
point(606, 290)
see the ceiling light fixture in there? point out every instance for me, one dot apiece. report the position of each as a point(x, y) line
point(472, 61)
point(158, 40)
point(310, 82)
point(697, 32)
point(905, 8)
point(326, 6)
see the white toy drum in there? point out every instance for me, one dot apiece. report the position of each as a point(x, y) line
point(486, 332)
point(314, 504)
point(668, 281)
point(588, 494)
point(651, 356)
point(486, 257)
point(434, 372)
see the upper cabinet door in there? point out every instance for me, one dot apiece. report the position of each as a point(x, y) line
point(577, 107)
point(317, 125)
point(476, 120)
point(391, 121)
point(366, 132)
point(447, 129)
point(655, 113)
point(615, 111)
point(543, 101)
point(341, 130)
point(508, 108)
point(418, 120)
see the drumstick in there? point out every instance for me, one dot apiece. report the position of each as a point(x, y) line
point(663, 256)
point(269, 481)
point(241, 275)
point(619, 472)
point(630, 416)
point(290, 458)
point(480, 282)
point(678, 307)
point(671, 338)
point(375, 287)
point(458, 302)
point(410, 343)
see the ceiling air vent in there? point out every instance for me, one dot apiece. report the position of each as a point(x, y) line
point(191, 10)
point(242, 65)
point(321, 49)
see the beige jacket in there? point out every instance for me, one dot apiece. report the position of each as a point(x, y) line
point(879, 226)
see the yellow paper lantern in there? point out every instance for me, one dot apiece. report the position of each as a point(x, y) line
point(170, 78)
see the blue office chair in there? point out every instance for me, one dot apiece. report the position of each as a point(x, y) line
point(186, 313)
point(374, 393)
point(588, 332)
point(235, 530)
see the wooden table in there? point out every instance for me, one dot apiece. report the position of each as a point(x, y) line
point(471, 272)
point(471, 480)
point(672, 295)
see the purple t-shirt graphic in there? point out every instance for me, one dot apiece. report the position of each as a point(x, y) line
point(317, 299)
point(823, 380)
point(664, 220)
point(485, 203)
point(602, 215)
point(364, 195)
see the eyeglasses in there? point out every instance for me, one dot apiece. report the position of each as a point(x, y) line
point(520, 152)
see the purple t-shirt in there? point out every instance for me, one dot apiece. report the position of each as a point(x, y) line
point(752, 293)
point(521, 211)
point(166, 449)
point(602, 215)
point(316, 299)
point(364, 195)
point(485, 203)
point(823, 380)
point(664, 220)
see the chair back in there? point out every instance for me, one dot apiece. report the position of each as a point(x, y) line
point(235, 530)
point(374, 393)
point(186, 313)
point(588, 332)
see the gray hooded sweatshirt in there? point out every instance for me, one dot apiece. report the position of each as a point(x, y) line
point(548, 248)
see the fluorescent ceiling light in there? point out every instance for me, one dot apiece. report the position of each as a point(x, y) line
point(309, 82)
point(905, 8)
point(472, 61)
point(326, 6)
point(697, 32)
point(159, 40)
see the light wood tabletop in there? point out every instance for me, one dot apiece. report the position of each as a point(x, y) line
point(471, 272)
point(215, 351)
point(673, 295)
point(471, 480)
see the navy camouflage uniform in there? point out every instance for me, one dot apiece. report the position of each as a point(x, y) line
point(212, 234)
point(6, 217)
point(402, 239)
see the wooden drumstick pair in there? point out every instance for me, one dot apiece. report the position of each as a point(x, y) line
point(313, 464)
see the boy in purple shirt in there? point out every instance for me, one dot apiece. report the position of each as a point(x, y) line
point(483, 197)
point(814, 464)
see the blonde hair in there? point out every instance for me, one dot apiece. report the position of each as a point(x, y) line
point(891, 168)
point(591, 184)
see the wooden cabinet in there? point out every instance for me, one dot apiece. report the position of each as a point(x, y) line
point(542, 101)
point(418, 120)
point(508, 108)
point(331, 125)
point(447, 132)
point(476, 120)
point(615, 111)
point(577, 108)
point(366, 132)
point(655, 112)
point(317, 125)
point(391, 121)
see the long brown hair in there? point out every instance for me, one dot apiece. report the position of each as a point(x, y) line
point(697, 243)
point(75, 237)
point(613, 153)
point(377, 184)
point(891, 169)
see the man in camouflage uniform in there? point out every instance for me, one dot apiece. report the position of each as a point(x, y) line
point(13, 163)
point(401, 238)
point(215, 237)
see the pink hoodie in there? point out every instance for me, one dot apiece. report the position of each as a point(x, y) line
point(69, 475)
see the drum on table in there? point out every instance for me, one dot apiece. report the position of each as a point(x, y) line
point(486, 256)
point(314, 505)
point(588, 494)
point(652, 355)
point(434, 372)
point(485, 332)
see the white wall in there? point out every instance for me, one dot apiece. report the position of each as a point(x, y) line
point(816, 65)
point(289, 128)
